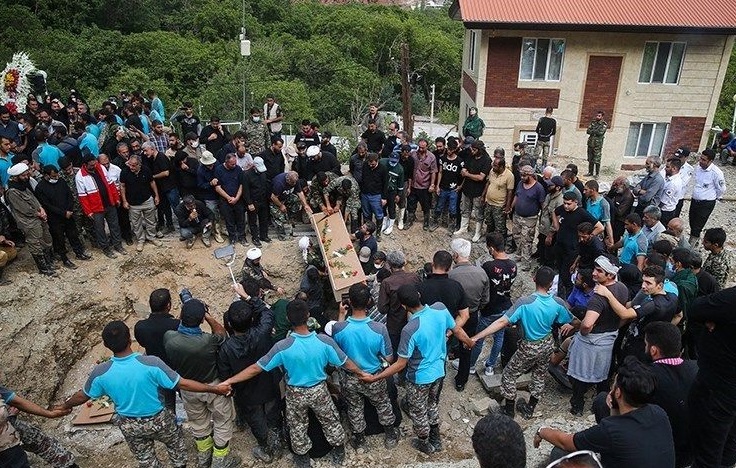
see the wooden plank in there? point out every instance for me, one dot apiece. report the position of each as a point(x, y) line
point(343, 265)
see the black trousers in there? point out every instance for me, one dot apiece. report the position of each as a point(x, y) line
point(258, 221)
point(700, 211)
point(565, 258)
point(678, 208)
point(164, 210)
point(421, 197)
point(712, 407)
point(234, 216)
point(667, 216)
point(124, 221)
point(579, 389)
point(546, 254)
point(260, 418)
point(463, 371)
point(14, 457)
point(618, 230)
point(62, 229)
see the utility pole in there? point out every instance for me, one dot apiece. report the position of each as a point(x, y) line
point(244, 52)
point(406, 92)
point(431, 115)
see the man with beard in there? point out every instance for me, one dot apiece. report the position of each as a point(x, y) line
point(308, 134)
point(214, 136)
point(649, 190)
point(206, 183)
point(256, 191)
point(623, 199)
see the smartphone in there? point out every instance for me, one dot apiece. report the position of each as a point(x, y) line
point(224, 252)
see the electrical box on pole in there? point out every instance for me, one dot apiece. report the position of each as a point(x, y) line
point(244, 44)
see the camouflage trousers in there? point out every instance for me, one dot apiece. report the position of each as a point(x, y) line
point(523, 230)
point(377, 393)
point(424, 402)
point(496, 220)
point(49, 449)
point(532, 356)
point(298, 401)
point(542, 149)
point(140, 433)
point(594, 153)
point(293, 208)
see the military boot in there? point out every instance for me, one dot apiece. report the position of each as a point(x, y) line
point(434, 437)
point(390, 437)
point(204, 451)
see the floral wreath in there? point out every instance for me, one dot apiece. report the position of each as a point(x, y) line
point(16, 84)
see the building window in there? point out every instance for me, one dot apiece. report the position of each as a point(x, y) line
point(646, 139)
point(662, 62)
point(472, 49)
point(541, 59)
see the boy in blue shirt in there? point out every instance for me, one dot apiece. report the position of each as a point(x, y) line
point(365, 342)
point(422, 351)
point(132, 381)
point(304, 355)
point(537, 313)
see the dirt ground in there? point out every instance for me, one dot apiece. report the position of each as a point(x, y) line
point(50, 337)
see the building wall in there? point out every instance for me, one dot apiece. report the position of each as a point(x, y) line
point(509, 106)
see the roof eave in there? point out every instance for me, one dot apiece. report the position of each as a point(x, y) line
point(594, 27)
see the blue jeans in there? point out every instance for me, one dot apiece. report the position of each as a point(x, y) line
point(445, 197)
point(371, 204)
point(484, 322)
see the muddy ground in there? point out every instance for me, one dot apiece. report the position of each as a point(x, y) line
point(50, 337)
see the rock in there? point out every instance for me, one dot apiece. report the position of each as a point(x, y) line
point(466, 420)
point(445, 427)
point(480, 406)
point(493, 406)
point(492, 383)
point(141, 310)
point(455, 414)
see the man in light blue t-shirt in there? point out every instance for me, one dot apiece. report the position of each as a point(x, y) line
point(304, 356)
point(132, 381)
point(365, 342)
point(422, 351)
point(537, 314)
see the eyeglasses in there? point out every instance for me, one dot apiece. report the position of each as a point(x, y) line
point(581, 458)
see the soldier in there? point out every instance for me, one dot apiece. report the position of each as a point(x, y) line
point(596, 130)
point(31, 218)
point(422, 351)
point(537, 313)
point(84, 223)
point(304, 355)
point(365, 342)
point(317, 191)
point(343, 194)
point(720, 261)
point(256, 132)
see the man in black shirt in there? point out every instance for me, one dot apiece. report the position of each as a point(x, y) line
point(407, 163)
point(590, 247)
point(591, 349)
point(256, 194)
point(140, 197)
point(320, 161)
point(712, 399)
point(373, 138)
point(477, 167)
point(546, 129)
point(501, 273)
point(194, 218)
point(308, 134)
point(373, 190)
point(566, 219)
point(149, 333)
point(326, 145)
point(448, 183)
point(637, 434)
point(163, 174)
point(214, 136)
point(273, 158)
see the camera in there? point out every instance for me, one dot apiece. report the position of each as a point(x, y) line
point(185, 295)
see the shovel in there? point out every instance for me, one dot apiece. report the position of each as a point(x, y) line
point(227, 254)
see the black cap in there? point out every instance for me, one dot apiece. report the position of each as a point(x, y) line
point(192, 313)
point(405, 147)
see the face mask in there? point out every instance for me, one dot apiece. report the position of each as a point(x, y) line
point(256, 119)
point(517, 153)
point(20, 127)
point(53, 181)
point(377, 266)
point(194, 144)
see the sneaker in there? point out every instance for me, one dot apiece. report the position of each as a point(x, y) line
point(472, 370)
point(190, 243)
point(358, 440)
point(84, 256)
point(266, 239)
point(525, 409)
point(218, 238)
point(206, 242)
point(337, 454)
point(109, 253)
point(576, 411)
point(423, 445)
point(159, 234)
point(455, 363)
point(257, 242)
point(121, 250)
point(260, 454)
point(488, 371)
point(139, 247)
point(243, 242)
point(168, 230)
point(459, 387)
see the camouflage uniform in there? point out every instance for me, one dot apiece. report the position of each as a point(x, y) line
point(298, 401)
point(251, 271)
point(316, 192)
point(84, 223)
point(424, 403)
point(523, 230)
point(36, 441)
point(293, 208)
point(256, 136)
point(377, 393)
point(596, 130)
point(719, 266)
point(350, 201)
point(140, 433)
point(531, 355)
point(496, 219)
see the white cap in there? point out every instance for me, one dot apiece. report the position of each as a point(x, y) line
point(304, 243)
point(18, 169)
point(207, 158)
point(312, 151)
point(291, 151)
point(328, 327)
point(254, 253)
point(259, 164)
point(365, 254)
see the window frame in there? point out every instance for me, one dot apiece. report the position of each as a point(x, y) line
point(651, 139)
point(547, 65)
point(667, 67)
point(472, 50)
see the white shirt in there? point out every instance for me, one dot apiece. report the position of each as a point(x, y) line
point(245, 162)
point(113, 174)
point(686, 174)
point(672, 193)
point(709, 183)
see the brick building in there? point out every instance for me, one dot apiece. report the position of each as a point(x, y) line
point(655, 68)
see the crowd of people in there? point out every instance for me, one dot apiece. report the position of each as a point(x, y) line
point(621, 291)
